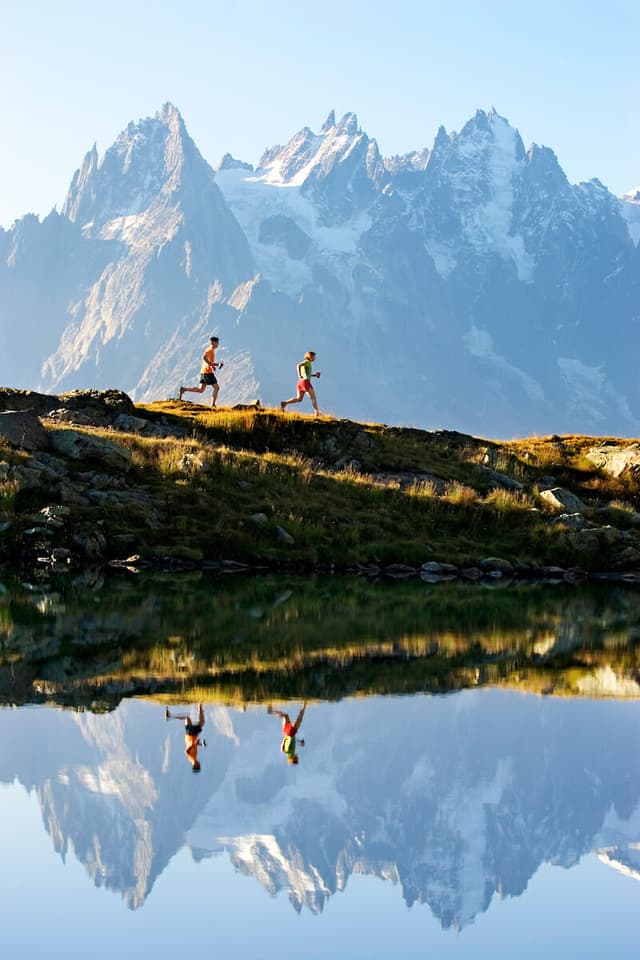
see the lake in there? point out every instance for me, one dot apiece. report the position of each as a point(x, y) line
point(469, 782)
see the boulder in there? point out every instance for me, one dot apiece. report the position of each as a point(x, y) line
point(596, 538)
point(560, 499)
point(573, 521)
point(496, 566)
point(23, 429)
point(40, 403)
point(98, 407)
point(501, 481)
point(434, 566)
point(91, 545)
point(615, 459)
point(81, 446)
point(284, 536)
point(28, 476)
point(399, 571)
point(129, 424)
point(259, 519)
point(78, 418)
point(629, 557)
point(106, 403)
point(435, 572)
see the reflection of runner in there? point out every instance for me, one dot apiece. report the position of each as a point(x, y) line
point(289, 732)
point(192, 732)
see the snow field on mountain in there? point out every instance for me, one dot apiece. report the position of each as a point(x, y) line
point(254, 198)
point(489, 227)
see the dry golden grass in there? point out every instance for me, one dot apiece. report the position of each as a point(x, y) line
point(460, 494)
point(509, 501)
point(9, 490)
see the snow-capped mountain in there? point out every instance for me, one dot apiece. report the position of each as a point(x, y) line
point(468, 285)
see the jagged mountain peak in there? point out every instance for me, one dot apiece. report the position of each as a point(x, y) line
point(146, 159)
point(633, 196)
point(442, 141)
point(490, 124)
point(348, 125)
point(229, 162)
point(308, 154)
point(169, 113)
point(412, 162)
point(329, 122)
point(341, 167)
point(486, 143)
point(543, 164)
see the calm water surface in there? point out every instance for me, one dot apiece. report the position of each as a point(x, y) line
point(467, 822)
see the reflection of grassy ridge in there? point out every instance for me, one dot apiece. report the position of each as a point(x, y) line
point(369, 677)
point(267, 637)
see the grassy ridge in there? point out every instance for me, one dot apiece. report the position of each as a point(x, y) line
point(343, 492)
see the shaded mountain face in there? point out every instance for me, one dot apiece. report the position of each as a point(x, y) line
point(469, 285)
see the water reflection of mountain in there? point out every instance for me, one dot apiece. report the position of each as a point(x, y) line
point(113, 788)
point(453, 798)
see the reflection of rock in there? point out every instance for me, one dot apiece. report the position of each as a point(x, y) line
point(452, 798)
point(614, 847)
point(624, 859)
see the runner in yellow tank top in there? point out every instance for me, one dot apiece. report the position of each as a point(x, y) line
point(305, 373)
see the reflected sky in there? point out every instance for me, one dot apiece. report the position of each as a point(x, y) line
point(481, 822)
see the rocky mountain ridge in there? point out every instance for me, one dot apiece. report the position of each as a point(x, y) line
point(467, 286)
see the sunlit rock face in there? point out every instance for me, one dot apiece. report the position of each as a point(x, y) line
point(453, 799)
point(466, 285)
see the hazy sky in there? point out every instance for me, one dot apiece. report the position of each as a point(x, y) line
point(249, 74)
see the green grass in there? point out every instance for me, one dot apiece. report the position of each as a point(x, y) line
point(346, 492)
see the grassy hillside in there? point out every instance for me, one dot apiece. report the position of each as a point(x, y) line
point(261, 487)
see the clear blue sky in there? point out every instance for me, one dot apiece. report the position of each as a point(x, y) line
point(247, 75)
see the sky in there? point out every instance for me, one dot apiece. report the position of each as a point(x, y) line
point(249, 74)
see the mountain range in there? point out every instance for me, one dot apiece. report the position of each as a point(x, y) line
point(467, 286)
